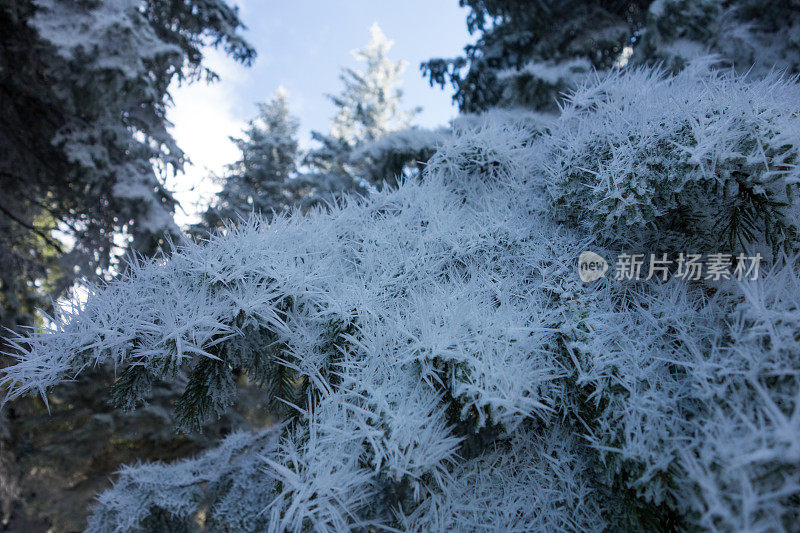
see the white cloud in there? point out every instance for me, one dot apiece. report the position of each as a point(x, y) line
point(203, 119)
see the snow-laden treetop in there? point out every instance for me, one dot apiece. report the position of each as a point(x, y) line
point(448, 369)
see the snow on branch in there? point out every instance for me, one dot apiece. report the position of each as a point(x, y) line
point(443, 362)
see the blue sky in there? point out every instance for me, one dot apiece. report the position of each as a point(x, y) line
point(302, 46)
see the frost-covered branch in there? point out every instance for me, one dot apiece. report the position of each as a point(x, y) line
point(445, 366)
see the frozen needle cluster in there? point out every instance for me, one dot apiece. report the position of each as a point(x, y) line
point(440, 363)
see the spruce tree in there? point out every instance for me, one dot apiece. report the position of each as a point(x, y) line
point(264, 179)
point(85, 141)
point(368, 107)
point(530, 53)
point(747, 35)
point(441, 364)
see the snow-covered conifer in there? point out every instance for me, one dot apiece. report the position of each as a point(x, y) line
point(264, 179)
point(531, 53)
point(368, 107)
point(86, 146)
point(747, 35)
point(440, 363)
